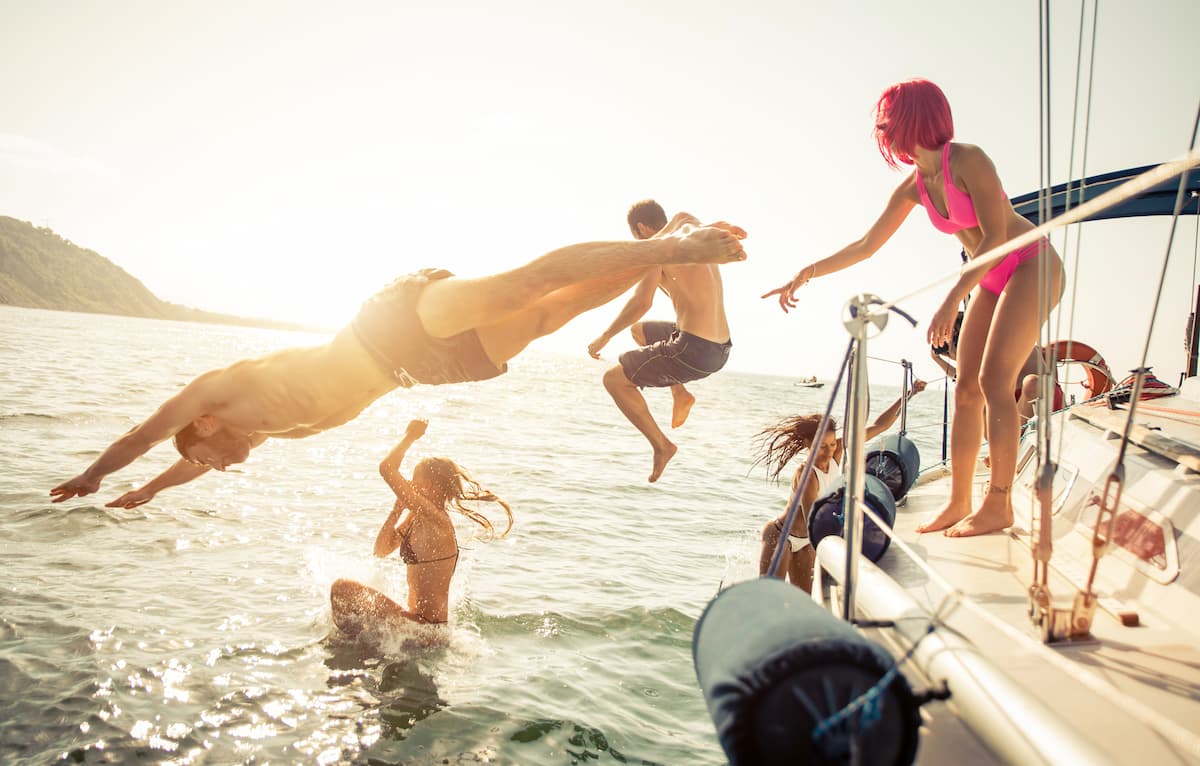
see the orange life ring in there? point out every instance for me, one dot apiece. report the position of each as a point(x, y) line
point(1099, 377)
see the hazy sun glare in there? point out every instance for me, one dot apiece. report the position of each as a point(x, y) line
point(285, 161)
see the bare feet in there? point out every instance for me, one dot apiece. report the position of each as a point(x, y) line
point(950, 515)
point(994, 514)
point(708, 244)
point(683, 401)
point(661, 456)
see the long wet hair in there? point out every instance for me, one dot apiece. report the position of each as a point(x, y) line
point(779, 443)
point(451, 487)
point(910, 114)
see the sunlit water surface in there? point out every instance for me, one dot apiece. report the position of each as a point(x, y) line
point(196, 628)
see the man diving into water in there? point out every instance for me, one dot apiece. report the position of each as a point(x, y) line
point(429, 327)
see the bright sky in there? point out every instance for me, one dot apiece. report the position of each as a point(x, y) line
point(284, 159)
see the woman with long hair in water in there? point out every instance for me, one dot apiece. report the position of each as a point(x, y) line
point(420, 527)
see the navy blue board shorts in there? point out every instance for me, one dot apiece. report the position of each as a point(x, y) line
point(671, 356)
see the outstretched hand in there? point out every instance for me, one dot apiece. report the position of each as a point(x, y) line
point(131, 499)
point(596, 346)
point(677, 222)
point(416, 429)
point(787, 291)
point(917, 387)
point(77, 487)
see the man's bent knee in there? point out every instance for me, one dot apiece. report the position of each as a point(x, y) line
point(614, 378)
point(639, 333)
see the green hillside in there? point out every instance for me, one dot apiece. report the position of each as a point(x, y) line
point(39, 269)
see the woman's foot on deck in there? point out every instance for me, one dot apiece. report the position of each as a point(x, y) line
point(994, 514)
point(662, 455)
point(952, 514)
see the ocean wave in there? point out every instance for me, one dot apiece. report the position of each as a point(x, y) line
point(19, 416)
point(666, 623)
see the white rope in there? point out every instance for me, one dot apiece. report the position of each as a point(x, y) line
point(1131, 188)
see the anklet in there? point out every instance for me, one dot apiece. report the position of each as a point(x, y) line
point(998, 490)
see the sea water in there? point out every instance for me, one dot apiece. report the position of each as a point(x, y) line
point(196, 628)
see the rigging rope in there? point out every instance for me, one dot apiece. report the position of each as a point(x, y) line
point(1075, 254)
point(1041, 526)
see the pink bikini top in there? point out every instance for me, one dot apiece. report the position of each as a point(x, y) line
point(960, 209)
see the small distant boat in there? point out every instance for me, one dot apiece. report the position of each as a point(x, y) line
point(810, 383)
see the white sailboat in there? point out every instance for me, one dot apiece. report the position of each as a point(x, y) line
point(1071, 638)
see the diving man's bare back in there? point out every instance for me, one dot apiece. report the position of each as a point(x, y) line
point(295, 392)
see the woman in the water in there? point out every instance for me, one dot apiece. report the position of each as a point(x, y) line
point(420, 527)
point(782, 442)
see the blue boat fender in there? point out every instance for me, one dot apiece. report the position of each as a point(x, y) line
point(786, 682)
point(828, 516)
point(896, 461)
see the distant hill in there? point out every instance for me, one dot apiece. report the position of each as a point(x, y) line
point(41, 270)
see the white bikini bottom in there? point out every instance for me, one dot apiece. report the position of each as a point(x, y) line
point(798, 543)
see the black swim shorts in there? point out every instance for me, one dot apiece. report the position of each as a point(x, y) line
point(672, 356)
point(389, 328)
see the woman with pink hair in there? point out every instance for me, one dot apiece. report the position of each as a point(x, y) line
point(958, 186)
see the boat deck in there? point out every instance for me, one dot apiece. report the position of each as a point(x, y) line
point(1113, 688)
point(1165, 427)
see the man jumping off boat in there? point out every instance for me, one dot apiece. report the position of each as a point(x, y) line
point(429, 327)
point(692, 347)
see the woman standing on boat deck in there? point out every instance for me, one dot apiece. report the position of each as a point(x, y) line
point(419, 525)
point(782, 442)
point(958, 186)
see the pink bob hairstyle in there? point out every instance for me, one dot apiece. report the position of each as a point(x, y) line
point(910, 114)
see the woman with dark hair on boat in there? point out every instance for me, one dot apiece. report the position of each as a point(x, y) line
point(782, 442)
point(959, 187)
point(420, 527)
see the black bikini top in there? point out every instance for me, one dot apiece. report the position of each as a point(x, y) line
point(410, 558)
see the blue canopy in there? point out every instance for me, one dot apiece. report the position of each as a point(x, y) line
point(1157, 200)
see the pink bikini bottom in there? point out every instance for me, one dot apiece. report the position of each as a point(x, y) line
point(998, 276)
